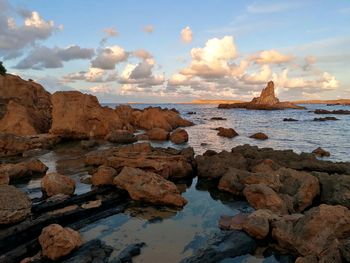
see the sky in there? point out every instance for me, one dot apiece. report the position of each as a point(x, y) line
point(178, 51)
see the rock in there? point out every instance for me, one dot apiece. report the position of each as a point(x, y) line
point(28, 106)
point(224, 245)
point(345, 250)
point(121, 136)
point(103, 176)
point(257, 223)
point(191, 113)
point(157, 134)
point(259, 136)
point(155, 117)
point(4, 178)
point(307, 259)
point(218, 119)
point(232, 222)
point(87, 144)
point(321, 152)
point(57, 241)
point(261, 196)
point(169, 163)
point(129, 252)
point(289, 119)
point(22, 169)
point(266, 101)
point(15, 205)
point(265, 166)
point(342, 112)
point(227, 132)
point(149, 187)
point(54, 183)
point(335, 189)
point(92, 204)
point(86, 179)
point(142, 137)
point(326, 119)
point(11, 144)
point(179, 136)
point(79, 116)
point(314, 233)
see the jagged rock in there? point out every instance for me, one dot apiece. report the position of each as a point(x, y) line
point(57, 241)
point(257, 224)
point(321, 152)
point(103, 176)
point(54, 183)
point(22, 169)
point(266, 101)
point(259, 136)
point(157, 134)
point(28, 106)
point(14, 205)
point(179, 136)
point(149, 187)
point(227, 132)
point(121, 136)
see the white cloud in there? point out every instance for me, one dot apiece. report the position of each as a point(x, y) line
point(270, 57)
point(92, 75)
point(142, 53)
point(108, 57)
point(186, 35)
point(261, 77)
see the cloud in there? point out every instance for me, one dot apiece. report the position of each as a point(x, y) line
point(108, 57)
point(148, 29)
point(92, 75)
point(270, 57)
point(111, 32)
point(264, 7)
point(186, 35)
point(261, 77)
point(16, 37)
point(141, 53)
point(43, 57)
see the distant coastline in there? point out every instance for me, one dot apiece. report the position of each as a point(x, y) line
point(338, 101)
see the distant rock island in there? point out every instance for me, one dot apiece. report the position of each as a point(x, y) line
point(266, 101)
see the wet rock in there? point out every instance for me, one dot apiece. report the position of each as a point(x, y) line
point(157, 134)
point(15, 205)
point(87, 144)
point(321, 152)
point(54, 183)
point(345, 250)
point(92, 204)
point(232, 222)
point(179, 136)
point(228, 244)
point(169, 163)
point(315, 232)
point(326, 119)
point(227, 132)
point(265, 166)
point(121, 136)
point(335, 189)
point(261, 196)
point(79, 116)
point(92, 251)
point(257, 223)
point(28, 106)
point(86, 179)
point(191, 113)
point(103, 176)
point(307, 259)
point(218, 119)
point(57, 241)
point(129, 252)
point(289, 119)
point(149, 187)
point(259, 136)
point(343, 112)
point(142, 137)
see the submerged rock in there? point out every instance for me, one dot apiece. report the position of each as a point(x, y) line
point(232, 222)
point(179, 136)
point(15, 205)
point(57, 241)
point(54, 183)
point(129, 252)
point(149, 187)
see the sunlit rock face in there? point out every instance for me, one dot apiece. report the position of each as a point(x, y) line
point(267, 95)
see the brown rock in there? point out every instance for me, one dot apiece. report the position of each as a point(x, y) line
point(179, 136)
point(149, 187)
point(227, 132)
point(15, 205)
point(22, 169)
point(321, 152)
point(28, 106)
point(54, 183)
point(92, 204)
point(257, 223)
point(261, 196)
point(307, 259)
point(265, 166)
point(232, 222)
point(121, 136)
point(314, 233)
point(80, 116)
point(259, 136)
point(57, 241)
point(103, 176)
point(157, 134)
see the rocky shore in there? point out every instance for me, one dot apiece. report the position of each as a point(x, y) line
point(300, 204)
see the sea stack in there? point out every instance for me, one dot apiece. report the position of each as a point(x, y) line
point(266, 101)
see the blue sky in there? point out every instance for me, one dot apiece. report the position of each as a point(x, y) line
point(228, 49)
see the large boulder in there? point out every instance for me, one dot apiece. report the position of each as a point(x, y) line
point(57, 242)
point(79, 116)
point(157, 134)
point(179, 136)
point(315, 233)
point(227, 132)
point(257, 223)
point(259, 136)
point(28, 106)
point(103, 176)
point(121, 136)
point(149, 187)
point(15, 205)
point(54, 183)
